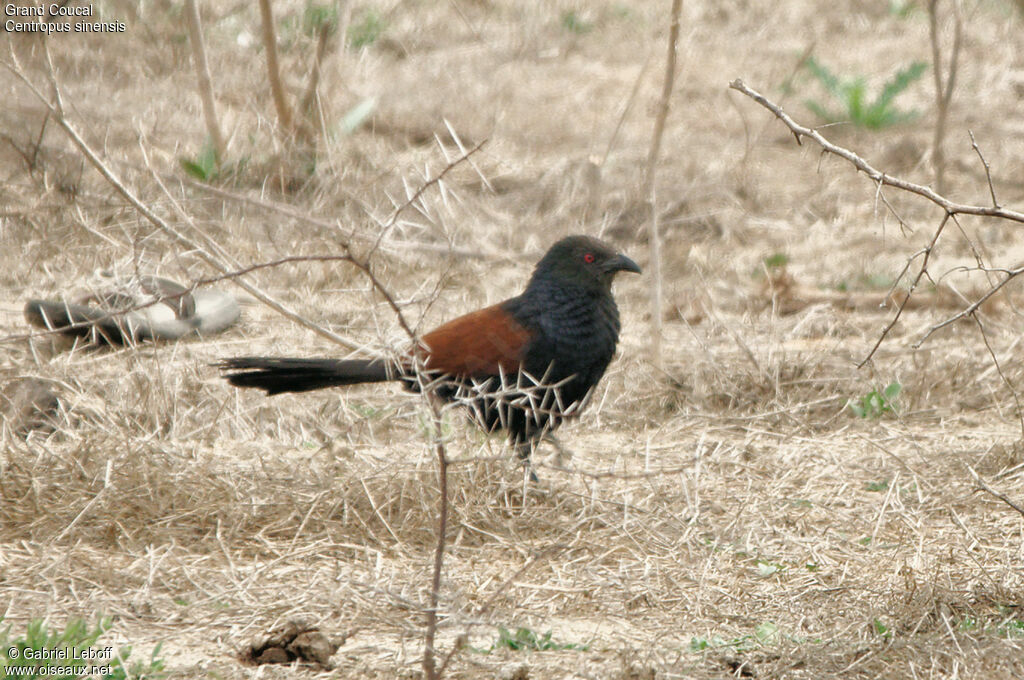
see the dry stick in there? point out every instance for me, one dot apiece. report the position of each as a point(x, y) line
point(654, 234)
point(625, 110)
point(988, 169)
point(57, 109)
point(284, 113)
point(195, 36)
point(943, 90)
point(988, 489)
point(429, 653)
point(436, 179)
point(999, 370)
point(913, 286)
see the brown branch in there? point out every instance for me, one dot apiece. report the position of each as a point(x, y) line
point(800, 131)
point(998, 494)
point(988, 170)
point(436, 179)
point(427, 389)
point(654, 231)
point(494, 596)
point(627, 107)
point(284, 113)
point(429, 652)
point(999, 370)
point(913, 286)
point(205, 83)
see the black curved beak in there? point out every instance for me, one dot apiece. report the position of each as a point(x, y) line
point(621, 263)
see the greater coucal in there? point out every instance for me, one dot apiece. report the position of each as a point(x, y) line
point(521, 365)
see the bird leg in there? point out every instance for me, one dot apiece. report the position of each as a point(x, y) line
point(524, 448)
point(562, 454)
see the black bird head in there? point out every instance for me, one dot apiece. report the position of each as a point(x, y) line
point(582, 261)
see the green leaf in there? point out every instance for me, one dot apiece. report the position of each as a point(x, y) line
point(855, 92)
point(193, 169)
point(881, 629)
point(574, 23)
point(892, 391)
point(698, 644)
point(852, 94)
point(767, 633)
point(898, 83)
point(205, 165)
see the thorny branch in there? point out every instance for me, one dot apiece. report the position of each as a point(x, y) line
point(999, 369)
point(951, 208)
point(799, 131)
point(913, 286)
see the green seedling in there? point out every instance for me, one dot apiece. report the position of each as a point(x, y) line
point(852, 96)
point(524, 639)
point(876, 403)
point(205, 167)
point(70, 653)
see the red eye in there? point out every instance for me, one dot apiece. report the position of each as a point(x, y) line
point(589, 258)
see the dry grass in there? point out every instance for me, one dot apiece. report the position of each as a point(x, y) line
point(731, 499)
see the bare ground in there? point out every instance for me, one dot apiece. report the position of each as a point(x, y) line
point(728, 516)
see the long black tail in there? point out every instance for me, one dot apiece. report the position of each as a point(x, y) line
point(279, 374)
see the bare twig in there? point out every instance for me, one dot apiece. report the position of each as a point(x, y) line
point(998, 494)
point(913, 286)
point(988, 170)
point(502, 587)
point(625, 110)
point(943, 88)
point(1010, 274)
point(436, 179)
point(999, 370)
point(429, 653)
point(195, 36)
point(877, 176)
point(654, 237)
point(284, 113)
